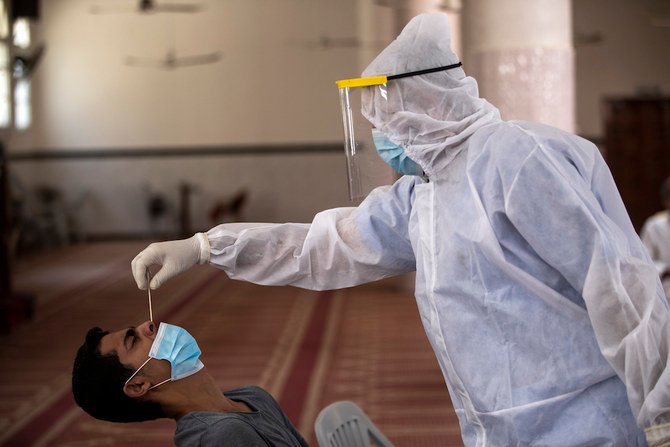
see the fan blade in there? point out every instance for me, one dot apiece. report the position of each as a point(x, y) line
point(171, 62)
point(151, 8)
point(185, 8)
point(197, 59)
point(324, 42)
point(135, 61)
point(109, 8)
point(25, 63)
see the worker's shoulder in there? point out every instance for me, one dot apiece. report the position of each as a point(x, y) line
point(539, 133)
point(516, 148)
point(515, 141)
point(505, 144)
point(506, 136)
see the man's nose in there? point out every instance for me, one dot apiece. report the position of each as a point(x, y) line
point(147, 329)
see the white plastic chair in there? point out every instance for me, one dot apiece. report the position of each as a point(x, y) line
point(344, 424)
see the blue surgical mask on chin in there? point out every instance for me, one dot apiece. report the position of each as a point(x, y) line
point(177, 346)
point(394, 155)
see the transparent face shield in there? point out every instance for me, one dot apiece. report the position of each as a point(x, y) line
point(365, 169)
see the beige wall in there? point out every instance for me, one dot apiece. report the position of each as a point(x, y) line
point(108, 197)
point(269, 86)
point(631, 54)
point(274, 85)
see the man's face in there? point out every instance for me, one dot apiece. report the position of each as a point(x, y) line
point(132, 346)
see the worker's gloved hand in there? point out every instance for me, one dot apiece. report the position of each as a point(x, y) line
point(174, 257)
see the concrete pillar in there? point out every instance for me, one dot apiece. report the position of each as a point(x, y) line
point(406, 9)
point(380, 21)
point(520, 52)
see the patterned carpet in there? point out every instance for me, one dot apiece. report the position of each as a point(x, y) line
point(308, 349)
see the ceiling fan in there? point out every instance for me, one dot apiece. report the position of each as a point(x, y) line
point(171, 60)
point(25, 62)
point(325, 42)
point(145, 7)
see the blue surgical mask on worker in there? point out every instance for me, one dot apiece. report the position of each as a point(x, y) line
point(177, 346)
point(394, 155)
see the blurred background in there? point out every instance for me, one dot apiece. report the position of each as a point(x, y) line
point(142, 120)
point(129, 118)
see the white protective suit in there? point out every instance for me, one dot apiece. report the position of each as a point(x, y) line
point(544, 310)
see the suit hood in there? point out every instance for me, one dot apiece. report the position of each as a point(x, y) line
point(429, 115)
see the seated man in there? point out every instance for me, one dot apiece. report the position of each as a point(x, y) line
point(656, 238)
point(139, 374)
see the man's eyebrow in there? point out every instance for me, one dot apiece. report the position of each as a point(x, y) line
point(130, 332)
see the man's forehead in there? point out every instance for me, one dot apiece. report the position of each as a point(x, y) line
point(110, 342)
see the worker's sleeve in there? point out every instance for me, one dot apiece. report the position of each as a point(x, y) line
point(651, 240)
point(577, 224)
point(342, 247)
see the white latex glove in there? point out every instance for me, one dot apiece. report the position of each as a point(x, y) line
point(174, 257)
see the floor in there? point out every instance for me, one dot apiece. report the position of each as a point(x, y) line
point(364, 344)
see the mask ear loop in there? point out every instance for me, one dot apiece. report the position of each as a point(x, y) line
point(138, 370)
point(161, 383)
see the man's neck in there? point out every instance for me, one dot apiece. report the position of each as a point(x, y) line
point(198, 392)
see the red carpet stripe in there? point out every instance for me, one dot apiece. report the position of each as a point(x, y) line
point(295, 391)
point(188, 300)
point(71, 297)
point(41, 422)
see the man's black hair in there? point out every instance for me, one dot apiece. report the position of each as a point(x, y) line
point(97, 385)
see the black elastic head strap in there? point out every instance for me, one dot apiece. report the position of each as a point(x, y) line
point(420, 72)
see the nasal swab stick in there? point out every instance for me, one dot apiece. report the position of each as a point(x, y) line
point(151, 313)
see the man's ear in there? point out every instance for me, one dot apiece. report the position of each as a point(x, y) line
point(137, 387)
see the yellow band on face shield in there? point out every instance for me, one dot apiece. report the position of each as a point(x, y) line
point(380, 80)
point(361, 82)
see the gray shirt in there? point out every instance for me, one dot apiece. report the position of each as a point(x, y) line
point(265, 426)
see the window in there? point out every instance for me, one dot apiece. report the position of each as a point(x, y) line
point(22, 107)
point(21, 33)
point(4, 20)
point(5, 86)
point(5, 68)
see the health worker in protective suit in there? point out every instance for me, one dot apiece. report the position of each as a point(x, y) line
point(545, 312)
